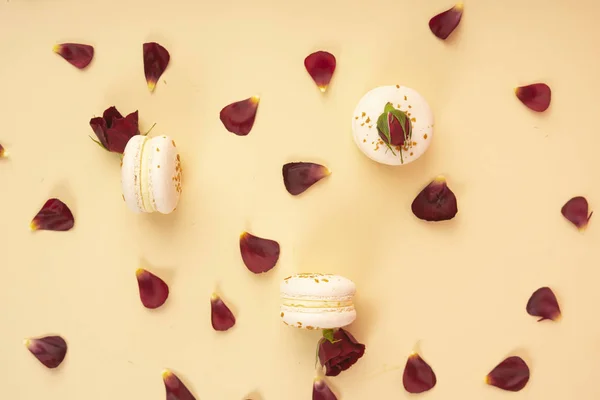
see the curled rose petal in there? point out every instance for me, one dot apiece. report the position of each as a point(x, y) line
point(341, 353)
point(114, 131)
point(49, 350)
point(443, 24)
point(321, 390)
point(577, 212)
point(176, 390)
point(238, 117)
point(153, 290)
point(259, 255)
point(221, 316)
point(511, 374)
point(436, 202)
point(3, 152)
point(536, 96)
point(53, 216)
point(418, 376)
point(78, 55)
point(156, 60)
point(299, 176)
point(543, 304)
point(320, 66)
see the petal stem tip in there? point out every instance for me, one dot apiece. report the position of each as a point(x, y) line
point(139, 272)
point(459, 6)
point(166, 374)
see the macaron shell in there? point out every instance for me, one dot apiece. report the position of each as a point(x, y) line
point(317, 286)
point(317, 320)
point(370, 107)
point(165, 173)
point(130, 173)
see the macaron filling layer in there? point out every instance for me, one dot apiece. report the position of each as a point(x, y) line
point(316, 304)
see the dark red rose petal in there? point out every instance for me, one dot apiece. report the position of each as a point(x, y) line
point(259, 255)
point(3, 152)
point(53, 216)
point(153, 290)
point(536, 96)
point(49, 350)
point(299, 176)
point(221, 316)
point(511, 374)
point(79, 55)
point(341, 354)
point(418, 376)
point(436, 202)
point(543, 303)
point(176, 390)
point(239, 117)
point(111, 114)
point(156, 60)
point(321, 66)
point(577, 212)
point(121, 131)
point(443, 24)
point(321, 391)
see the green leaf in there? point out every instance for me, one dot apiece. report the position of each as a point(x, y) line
point(149, 130)
point(328, 335)
point(99, 144)
point(383, 126)
point(389, 107)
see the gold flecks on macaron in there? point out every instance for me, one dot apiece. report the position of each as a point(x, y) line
point(173, 142)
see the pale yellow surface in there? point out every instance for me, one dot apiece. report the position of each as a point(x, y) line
point(460, 288)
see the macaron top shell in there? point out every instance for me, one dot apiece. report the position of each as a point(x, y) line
point(371, 106)
point(317, 286)
point(151, 174)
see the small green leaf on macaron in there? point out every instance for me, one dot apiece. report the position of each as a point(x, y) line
point(299, 176)
point(78, 55)
point(53, 216)
point(175, 388)
point(221, 317)
point(156, 60)
point(443, 24)
point(238, 117)
point(49, 350)
point(259, 255)
point(3, 152)
point(153, 290)
point(322, 391)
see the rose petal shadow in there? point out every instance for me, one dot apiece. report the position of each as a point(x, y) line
point(367, 314)
point(167, 274)
point(254, 395)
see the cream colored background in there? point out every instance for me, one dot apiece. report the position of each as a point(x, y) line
point(460, 288)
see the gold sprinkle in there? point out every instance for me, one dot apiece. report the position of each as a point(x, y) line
point(405, 98)
point(370, 126)
point(123, 197)
point(172, 141)
point(316, 280)
point(286, 323)
point(411, 153)
point(310, 328)
point(363, 114)
point(158, 166)
point(368, 120)
point(413, 119)
point(300, 323)
point(289, 277)
point(282, 314)
point(425, 136)
point(364, 140)
point(363, 124)
point(325, 280)
point(398, 86)
point(356, 117)
point(157, 149)
point(414, 143)
point(409, 106)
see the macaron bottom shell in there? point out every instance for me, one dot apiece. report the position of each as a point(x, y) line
point(371, 106)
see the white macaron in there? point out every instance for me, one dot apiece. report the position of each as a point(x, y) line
point(372, 105)
point(151, 174)
point(317, 301)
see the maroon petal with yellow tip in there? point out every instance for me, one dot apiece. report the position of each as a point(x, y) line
point(436, 202)
point(511, 374)
point(577, 212)
point(3, 152)
point(176, 390)
point(53, 216)
point(418, 376)
point(543, 304)
point(320, 66)
point(443, 24)
point(156, 60)
point(259, 255)
point(536, 96)
point(221, 316)
point(49, 350)
point(78, 55)
point(321, 390)
point(153, 290)
point(238, 117)
point(299, 176)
